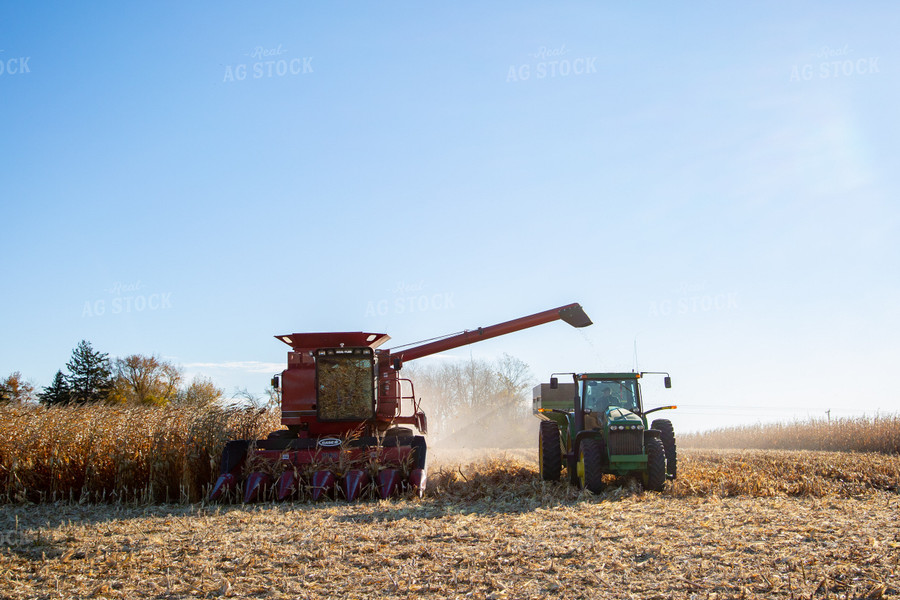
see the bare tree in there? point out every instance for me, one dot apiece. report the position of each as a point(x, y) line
point(514, 377)
point(146, 380)
point(16, 390)
point(201, 392)
point(271, 399)
point(476, 402)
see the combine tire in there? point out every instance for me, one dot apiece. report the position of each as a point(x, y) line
point(549, 451)
point(656, 465)
point(591, 464)
point(398, 432)
point(667, 435)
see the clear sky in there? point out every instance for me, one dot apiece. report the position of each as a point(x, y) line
point(716, 184)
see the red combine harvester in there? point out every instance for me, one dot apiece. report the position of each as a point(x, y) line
point(341, 401)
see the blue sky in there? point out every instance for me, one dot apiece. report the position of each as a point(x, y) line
point(716, 185)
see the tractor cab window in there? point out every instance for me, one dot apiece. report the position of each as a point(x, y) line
point(601, 395)
point(345, 378)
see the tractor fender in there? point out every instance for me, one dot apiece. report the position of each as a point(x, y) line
point(584, 435)
point(569, 433)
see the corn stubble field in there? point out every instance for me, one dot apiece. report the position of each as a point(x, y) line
point(736, 523)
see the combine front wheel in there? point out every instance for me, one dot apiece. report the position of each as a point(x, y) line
point(549, 451)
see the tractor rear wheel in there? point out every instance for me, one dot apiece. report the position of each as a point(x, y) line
point(591, 464)
point(549, 451)
point(667, 435)
point(656, 465)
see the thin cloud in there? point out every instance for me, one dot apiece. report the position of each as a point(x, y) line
point(249, 366)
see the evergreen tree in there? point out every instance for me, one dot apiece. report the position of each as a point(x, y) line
point(57, 392)
point(90, 374)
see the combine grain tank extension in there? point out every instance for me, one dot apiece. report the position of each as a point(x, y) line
point(342, 401)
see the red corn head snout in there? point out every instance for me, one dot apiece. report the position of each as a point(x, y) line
point(354, 482)
point(287, 484)
point(323, 483)
point(417, 481)
point(387, 482)
point(224, 484)
point(256, 482)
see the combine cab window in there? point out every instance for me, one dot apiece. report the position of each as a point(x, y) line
point(600, 395)
point(345, 379)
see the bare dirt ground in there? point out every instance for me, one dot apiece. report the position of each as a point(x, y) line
point(490, 529)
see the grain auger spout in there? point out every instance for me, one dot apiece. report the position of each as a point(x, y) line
point(342, 401)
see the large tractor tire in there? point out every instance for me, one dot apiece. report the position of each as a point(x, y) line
point(592, 464)
point(549, 451)
point(667, 435)
point(656, 465)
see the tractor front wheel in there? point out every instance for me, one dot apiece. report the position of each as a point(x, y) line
point(591, 463)
point(656, 465)
point(667, 435)
point(549, 451)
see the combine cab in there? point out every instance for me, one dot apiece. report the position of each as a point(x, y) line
point(342, 402)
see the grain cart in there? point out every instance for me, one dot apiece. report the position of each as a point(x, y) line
point(342, 401)
point(597, 425)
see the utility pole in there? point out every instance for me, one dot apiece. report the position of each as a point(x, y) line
point(828, 412)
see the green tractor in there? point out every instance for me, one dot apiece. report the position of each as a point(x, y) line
point(603, 430)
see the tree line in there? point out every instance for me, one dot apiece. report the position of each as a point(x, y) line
point(476, 403)
point(91, 376)
point(468, 403)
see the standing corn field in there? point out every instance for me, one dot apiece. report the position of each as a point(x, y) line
point(859, 434)
point(108, 453)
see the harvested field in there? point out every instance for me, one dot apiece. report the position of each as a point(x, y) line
point(758, 473)
point(490, 529)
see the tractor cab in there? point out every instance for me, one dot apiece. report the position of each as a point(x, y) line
point(603, 393)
